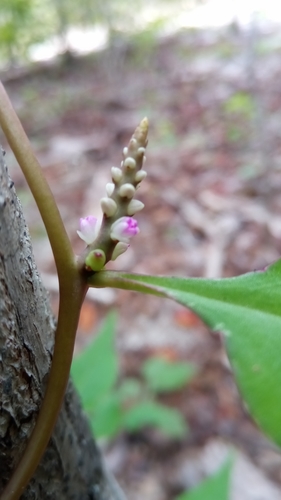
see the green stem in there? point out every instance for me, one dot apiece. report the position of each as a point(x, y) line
point(72, 295)
point(124, 281)
point(39, 187)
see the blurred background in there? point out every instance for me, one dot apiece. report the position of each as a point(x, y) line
point(81, 76)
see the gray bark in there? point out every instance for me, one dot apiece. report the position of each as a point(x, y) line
point(72, 466)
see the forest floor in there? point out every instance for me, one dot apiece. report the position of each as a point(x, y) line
point(212, 208)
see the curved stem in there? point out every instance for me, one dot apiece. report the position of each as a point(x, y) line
point(72, 291)
point(39, 187)
point(72, 295)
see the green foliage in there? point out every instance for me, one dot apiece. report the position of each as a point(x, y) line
point(23, 23)
point(246, 309)
point(95, 370)
point(130, 404)
point(151, 413)
point(215, 487)
point(162, 376)
point(13, 16)
point(129, 390)
point(107, 417)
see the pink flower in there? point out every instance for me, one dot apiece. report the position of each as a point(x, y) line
point(88, 229)
point(123, 229)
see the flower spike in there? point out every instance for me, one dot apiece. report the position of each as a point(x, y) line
point(117, 226)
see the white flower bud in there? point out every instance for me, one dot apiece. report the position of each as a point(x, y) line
point(108, 206)
point(127, 190)
point(141, 151)
point(130, 163)
point(88, 229)
point(120, 248)
point(140, 175)
point(109, 188)
point(116, 174)
point(125, 151)
point(134, 207)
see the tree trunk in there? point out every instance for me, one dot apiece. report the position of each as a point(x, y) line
point(72, 467)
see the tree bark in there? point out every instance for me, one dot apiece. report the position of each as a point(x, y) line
point(72, 467)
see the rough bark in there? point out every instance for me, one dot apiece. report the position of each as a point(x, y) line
point(72, 466)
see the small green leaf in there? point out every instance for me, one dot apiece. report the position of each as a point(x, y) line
point(162, 376)
point(95, 370)
point(129, 389)
point(107, 420)
point(152, 414)
point(215, 487)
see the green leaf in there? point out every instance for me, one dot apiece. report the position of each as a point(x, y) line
point(215, 487)
point(95, 370)
point(152, 414)
point(107, 420)
point(247, 309)
point(130, 389)
point(162, 376)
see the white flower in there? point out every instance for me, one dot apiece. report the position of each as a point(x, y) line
point(88, 229)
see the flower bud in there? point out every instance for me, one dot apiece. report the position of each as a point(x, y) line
point(123, 229)
point(95, 260)
point(140, 175)
point(116, 174)
point(88, 229)
point(127, 190)
point(134, 207)
point(108, 206)
point(119, 249)
point(130, 163)
point(109, 188)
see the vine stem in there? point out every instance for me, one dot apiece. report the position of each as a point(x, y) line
point(72, 287)
point(38, 185)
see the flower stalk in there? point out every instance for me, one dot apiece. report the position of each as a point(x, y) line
point(118, 225)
